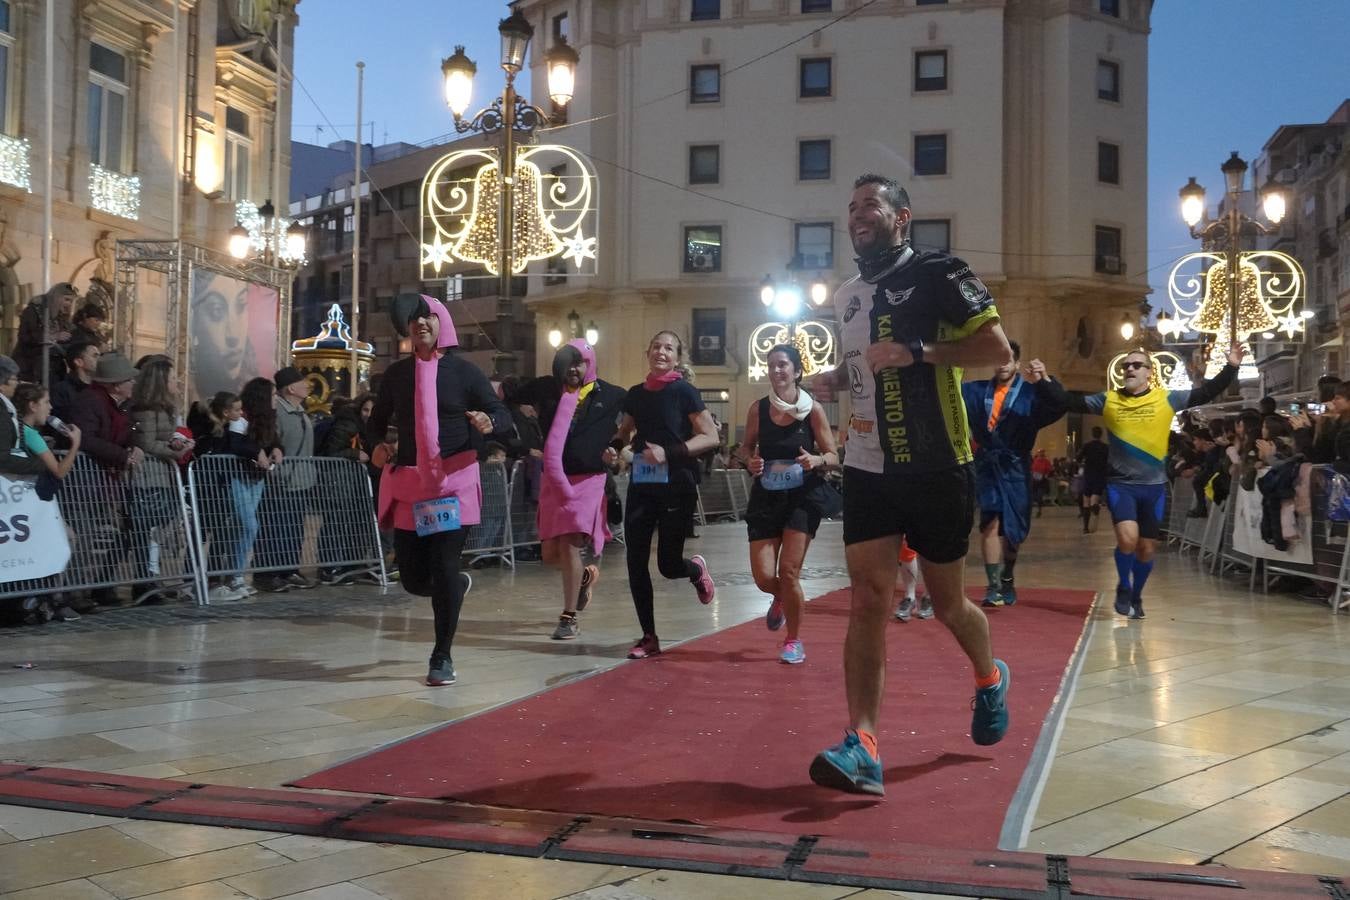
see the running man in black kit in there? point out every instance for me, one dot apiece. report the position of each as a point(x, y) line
point(908, 324)
point(1095, 469)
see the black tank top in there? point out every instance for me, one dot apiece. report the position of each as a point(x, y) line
point(783, 441)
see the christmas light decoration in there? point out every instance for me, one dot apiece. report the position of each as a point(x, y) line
point(14, 165)
point(266, 235)
point(813, 339)
point(334, 334)
point(1269, 295)
point(114, 193)
point(551, 210)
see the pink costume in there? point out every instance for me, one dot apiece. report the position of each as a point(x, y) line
point(571, 504)
point(433, 477)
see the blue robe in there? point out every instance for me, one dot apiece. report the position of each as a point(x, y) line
point(1003, 457)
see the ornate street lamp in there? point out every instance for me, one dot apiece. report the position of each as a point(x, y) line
point(511, 117)
point(794, 323)
point(261, 234)
point(1236, 293)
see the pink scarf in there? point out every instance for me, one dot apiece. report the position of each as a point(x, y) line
point(571, 504)
point(433, 477)
point(656, 382)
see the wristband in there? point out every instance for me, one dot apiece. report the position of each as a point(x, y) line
point(678, 450)
point(916, 350)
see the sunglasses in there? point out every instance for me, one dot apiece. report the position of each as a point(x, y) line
point(1125, 367)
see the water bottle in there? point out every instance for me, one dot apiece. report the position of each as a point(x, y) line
point(57, 425)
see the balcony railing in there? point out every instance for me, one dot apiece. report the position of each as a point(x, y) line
point(14, 166)
point(115, 193)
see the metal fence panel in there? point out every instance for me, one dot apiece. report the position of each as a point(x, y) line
point(524, 498)
point(127, 527)
point(493, 535)
point(317, 511)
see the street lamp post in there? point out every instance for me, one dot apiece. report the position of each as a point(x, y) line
point(282, 249)
point(1227, 230)
point(509, 116)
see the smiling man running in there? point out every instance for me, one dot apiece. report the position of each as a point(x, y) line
point(908, 323)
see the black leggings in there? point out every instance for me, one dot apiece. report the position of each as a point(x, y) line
point(668, 513)
point(429, 567)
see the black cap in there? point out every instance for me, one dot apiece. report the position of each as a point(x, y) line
point(287, 376)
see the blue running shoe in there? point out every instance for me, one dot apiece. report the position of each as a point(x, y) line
point(1123, 599)
point(1007, 593)
point(794, 653)
point(992, 597)
point(990, 722)
point(848, 767)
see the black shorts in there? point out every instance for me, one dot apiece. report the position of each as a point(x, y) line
point(933, 511)
point(770, 513)
point(1094, 486)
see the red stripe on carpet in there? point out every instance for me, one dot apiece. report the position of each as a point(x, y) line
point(717, 731)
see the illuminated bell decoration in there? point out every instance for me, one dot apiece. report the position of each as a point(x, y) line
point(530, 239)
point(554, 210)
point(1252, 312)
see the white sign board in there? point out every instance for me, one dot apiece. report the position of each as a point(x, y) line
point(1247, 532)
point(33, 542)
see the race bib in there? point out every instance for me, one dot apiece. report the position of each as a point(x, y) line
point(435, 516)
point(650, 473)
point(781, 475)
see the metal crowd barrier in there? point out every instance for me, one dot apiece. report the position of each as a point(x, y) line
point(1330, 548)
point(310, 511)
point(718, 498)
point(524, 522)
point(621, 486)
point(493, 536)
point(129, 527)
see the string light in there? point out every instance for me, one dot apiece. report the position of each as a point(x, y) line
point(14, 164)
point(115, 193)
point(1269, 295)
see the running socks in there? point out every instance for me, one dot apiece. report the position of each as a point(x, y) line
point(1125, 564)
point(993, 572)
point(1141, 570)
point(869, 742)
point(988, 681)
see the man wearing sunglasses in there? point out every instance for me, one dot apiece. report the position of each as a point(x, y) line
point(1138, 419)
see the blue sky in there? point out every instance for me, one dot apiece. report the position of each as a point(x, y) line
point(1223, 75)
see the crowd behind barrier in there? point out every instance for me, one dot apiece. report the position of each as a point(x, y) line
point(306, 511)
point(148, 529)
point(1228, 537)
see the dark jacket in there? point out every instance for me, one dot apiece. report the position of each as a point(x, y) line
point(106, 428)
point(13, 460)
point(593, 427)
point(64, 394)
point(343, 436)
point(1276, 486)
point(460, 386)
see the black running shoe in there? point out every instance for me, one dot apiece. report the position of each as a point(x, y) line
point(1123, 600)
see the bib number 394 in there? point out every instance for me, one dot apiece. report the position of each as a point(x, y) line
point(781, 475)
point(435, 516)
point(650, 473)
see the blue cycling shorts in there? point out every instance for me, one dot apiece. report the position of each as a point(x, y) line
point(1140, 503)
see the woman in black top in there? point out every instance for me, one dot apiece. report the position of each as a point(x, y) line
point(788, 440)
point(430, 495)
point(669, 427)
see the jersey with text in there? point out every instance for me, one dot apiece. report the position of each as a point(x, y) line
point(909, 420)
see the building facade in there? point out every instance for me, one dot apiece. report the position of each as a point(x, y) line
point(727, 136)
point(143, 117)
point(1313, 162)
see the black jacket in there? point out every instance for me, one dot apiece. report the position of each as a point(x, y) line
point(1276, 486)
point(460, 386)
point(593, 427)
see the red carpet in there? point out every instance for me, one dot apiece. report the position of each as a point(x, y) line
point(717, 731)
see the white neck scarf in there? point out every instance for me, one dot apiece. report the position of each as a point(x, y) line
point(799, 410)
